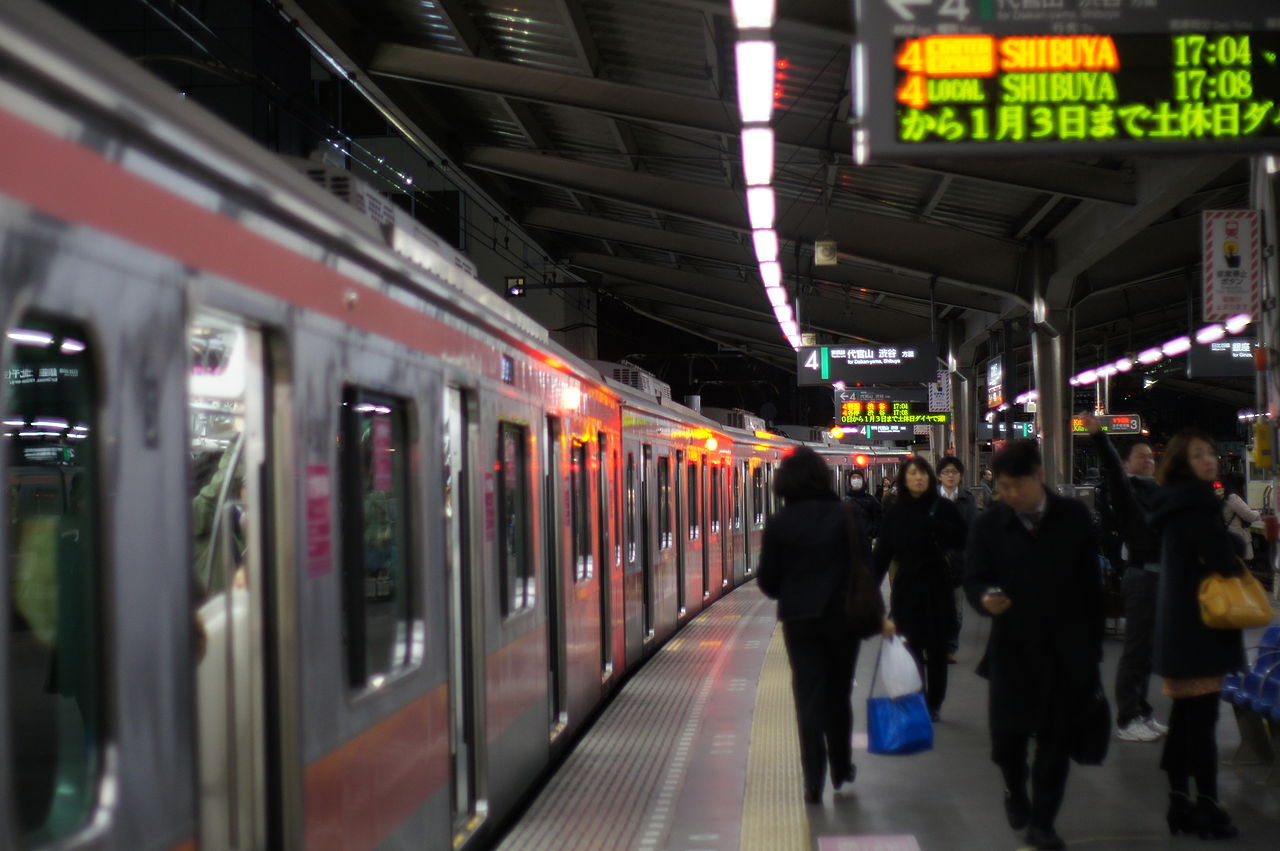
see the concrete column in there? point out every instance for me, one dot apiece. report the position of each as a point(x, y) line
point(1052, 341)
point(964, 391)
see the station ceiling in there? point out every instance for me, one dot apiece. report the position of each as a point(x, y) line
point(612, 126)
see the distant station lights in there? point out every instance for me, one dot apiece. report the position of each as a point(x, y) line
point(757, 60)
point(1172, 348)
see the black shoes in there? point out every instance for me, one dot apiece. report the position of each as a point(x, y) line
point(1182, 816)
point(1044, 837)
point(1017, 809)
point(838, 780)
point(812, 796)
point(1213, 822)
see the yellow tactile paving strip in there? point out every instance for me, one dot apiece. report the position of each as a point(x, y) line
point(773, 809)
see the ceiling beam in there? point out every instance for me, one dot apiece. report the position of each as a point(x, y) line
point(1093, 231)
point(1058, 177)
point(928, 249)
point(810, 20)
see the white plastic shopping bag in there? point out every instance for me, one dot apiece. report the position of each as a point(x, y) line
point(898, 671)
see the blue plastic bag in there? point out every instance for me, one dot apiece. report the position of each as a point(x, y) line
point(898, 726)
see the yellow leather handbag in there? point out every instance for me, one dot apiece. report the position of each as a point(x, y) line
point(1234, 602)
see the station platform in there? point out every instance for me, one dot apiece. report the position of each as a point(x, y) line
point(699, 752)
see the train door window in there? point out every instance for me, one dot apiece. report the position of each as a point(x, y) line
point(630, 508)
point(717, 494)
point(757, 495)
point(376, 562)
point(736, 496)
point(606, 477)
point(55, 660)
point(664, 502)
point(694, 506)
point(515, 567)
point(579, 500)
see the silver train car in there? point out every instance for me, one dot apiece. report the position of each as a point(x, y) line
point(353, 571)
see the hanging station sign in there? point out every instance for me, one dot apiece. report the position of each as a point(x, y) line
point(866, 363)
point(995, 381)
point(1221, 359)
point(1111, 424)
point(881, 394)
point(885, 413)
point(1062, 77)
point(1232, 263)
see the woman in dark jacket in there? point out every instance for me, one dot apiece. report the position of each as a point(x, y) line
point(1190, 656)
point(805, 564)
point(917, 531)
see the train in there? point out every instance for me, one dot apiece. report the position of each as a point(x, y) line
point(313, 540)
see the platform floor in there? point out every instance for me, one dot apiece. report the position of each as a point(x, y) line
point(699, 753)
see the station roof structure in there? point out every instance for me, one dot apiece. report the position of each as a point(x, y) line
point(612, 128)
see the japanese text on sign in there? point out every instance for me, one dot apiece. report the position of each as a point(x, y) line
point(1111, 423)
point(1232, 263)
point(868, 413)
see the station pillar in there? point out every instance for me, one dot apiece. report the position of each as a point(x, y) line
point(1051, 351)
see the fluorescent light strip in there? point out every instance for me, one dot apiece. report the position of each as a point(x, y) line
point(771, 274)
point(766, 243)
point(760, 207)
point(777, 296)
point(783, 312)
point(1172, 348)
point(757, 156)
point(754, 14)
point(755, 80)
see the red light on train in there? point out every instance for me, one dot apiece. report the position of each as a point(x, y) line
point(861, 460)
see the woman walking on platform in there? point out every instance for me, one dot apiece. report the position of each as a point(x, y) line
point(810, 553)
point(918, 532)
point(1190, 656)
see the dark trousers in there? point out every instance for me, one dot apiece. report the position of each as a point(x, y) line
point(1009, 738)
point(931, 659)
point(953, 643)
point(822, 654)
point(1191, 750)
point(1139, 588)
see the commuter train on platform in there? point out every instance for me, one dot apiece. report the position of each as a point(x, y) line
point(310, 543)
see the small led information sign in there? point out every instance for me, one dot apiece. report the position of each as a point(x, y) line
point(866, 363)
point(1111, 423)
point(882, 394)
point(1223, 359)
point(942, 77)
point(873, 413)
point(995, 382)
point(986, 431)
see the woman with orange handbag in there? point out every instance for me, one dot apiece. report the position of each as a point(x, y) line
point(1190, 656)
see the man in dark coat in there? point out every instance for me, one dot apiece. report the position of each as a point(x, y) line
point(1131, 490)
point(1031, 564)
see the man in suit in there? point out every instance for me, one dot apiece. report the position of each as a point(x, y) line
point(1032, 566)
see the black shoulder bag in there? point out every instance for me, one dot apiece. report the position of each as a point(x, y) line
point(864, 606)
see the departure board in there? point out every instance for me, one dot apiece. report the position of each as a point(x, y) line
point(1061, 77)
point(885, 413)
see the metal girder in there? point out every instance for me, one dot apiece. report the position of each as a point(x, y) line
point(563, 221)
point(811, 20)
point(929, 249)
point(1093, 231)
point(1057, 177)
point(580, 33)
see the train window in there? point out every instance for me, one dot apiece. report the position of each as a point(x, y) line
point(664, 501)
point(695, 507)
point(630, 497)
point(54, 570)
point(374, 488)
point(757, 495)
point(717, 493)
point(515, 566)
point(736, 496)
point(579, 498)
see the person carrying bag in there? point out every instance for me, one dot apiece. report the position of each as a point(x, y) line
point(898, 721)
point(812, 563)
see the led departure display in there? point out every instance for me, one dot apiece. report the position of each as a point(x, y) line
point(875, 413)
point(1111, 423)
point(1059, 75)
point(1023, 90)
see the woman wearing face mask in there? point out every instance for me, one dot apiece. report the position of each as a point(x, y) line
point(1191, 657)
point(868, 506)
point(917, 531)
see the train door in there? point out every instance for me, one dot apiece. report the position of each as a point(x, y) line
point(553, 493)
point(683, 530)
point(606, 465)
point(646, 539)
point(230, 428)
point(465, 681)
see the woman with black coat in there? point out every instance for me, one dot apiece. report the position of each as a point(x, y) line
point(806, 562)
point(917, 532)
point(1192, 657)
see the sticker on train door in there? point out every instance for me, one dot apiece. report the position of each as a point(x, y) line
point(319, 524)
point(489, 508)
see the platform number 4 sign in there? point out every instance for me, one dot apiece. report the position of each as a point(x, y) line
point(958, 9)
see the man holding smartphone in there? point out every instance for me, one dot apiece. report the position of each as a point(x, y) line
point(1032, 566)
